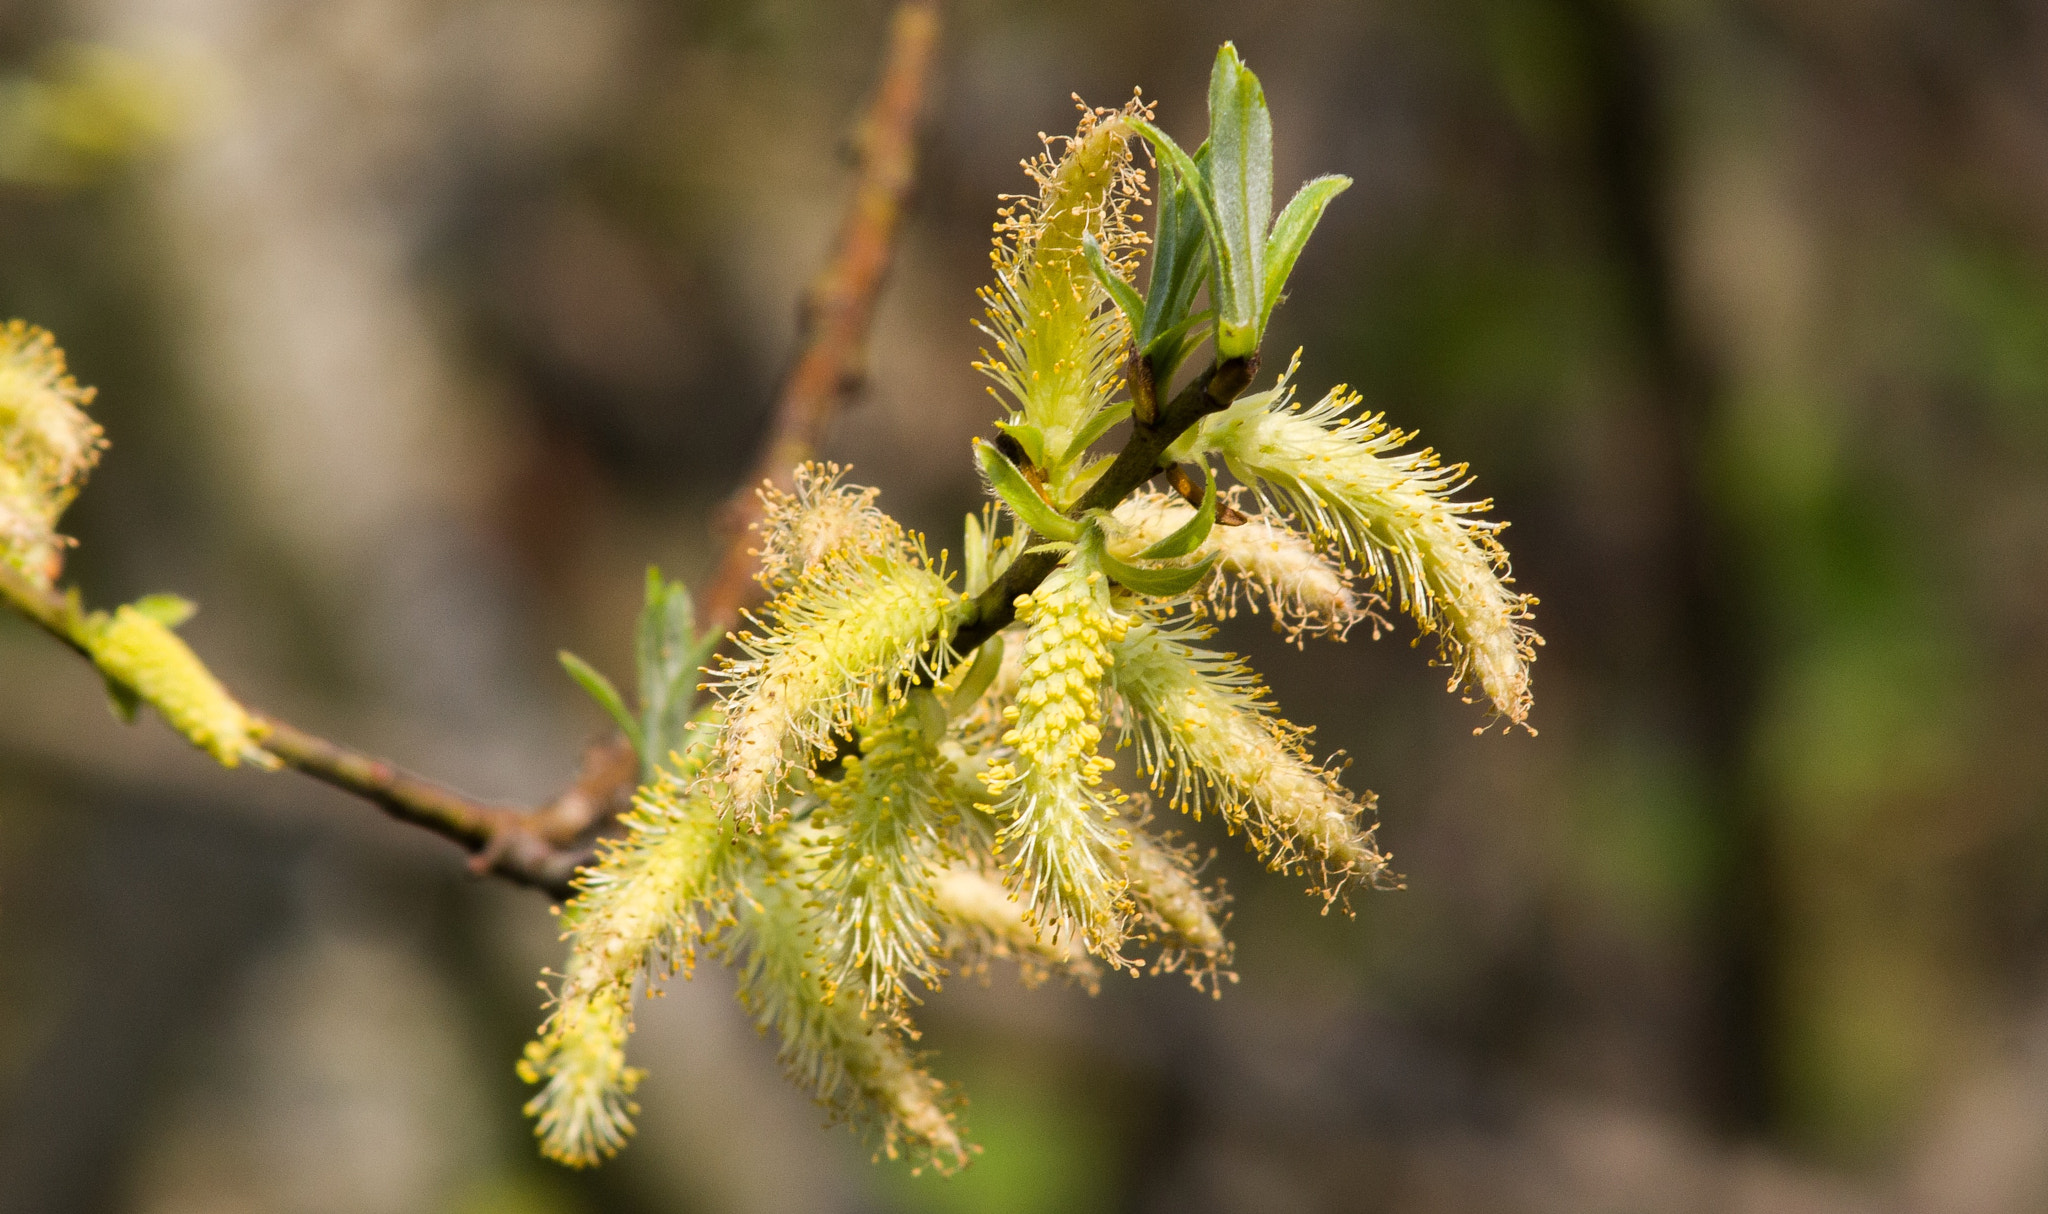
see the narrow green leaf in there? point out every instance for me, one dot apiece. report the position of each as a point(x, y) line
point(1099, 425)
point(600, 689)
point(1180, 250)
point(1189, 535)
point(988, 663)
point(1187, 170)
point(1162, 583)
point(170, 610)
point(1021, 496)
point(1121, 292)
point(1241, 186)
point(1291, 231)
point(123, 700)
point(1029, 437)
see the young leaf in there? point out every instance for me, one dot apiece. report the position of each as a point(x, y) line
point(1099, 425)
point(1291, 231)
point(1157, 583)
point(1125, 297)
point(1164, 583)
point(1241, 183)
point(607, 696)
point(1180, 252)
point(670, 655)
point(988, 663)
point(1190, 535)
point(1022, 496)
point(170, 610)
point(1186, 170)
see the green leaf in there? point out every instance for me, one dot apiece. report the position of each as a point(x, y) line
point(1241, 188)
point(1125, 297)
point(600, 689)
point(1098, 426)
point(1029, 437)
point(170, 610)
point(670, 653)
point(1190, 535)
point(123, 699)
point(1185, 169)
point(1180, 252)
point(988, 663)
point(1291, 231)
point(1022, 497)
point(1163, 583)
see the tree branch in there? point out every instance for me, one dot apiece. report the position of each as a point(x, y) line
point(543, 848)
point(839, 307)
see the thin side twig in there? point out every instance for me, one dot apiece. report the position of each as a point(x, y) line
point(839, 307)
point(543, 848)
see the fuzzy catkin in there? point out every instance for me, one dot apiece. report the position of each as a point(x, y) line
point(816, 518)
point(844, 638)
point(136, 650)
point(1395, 511)
point(856, 1064)
point(886, 822)
point(1262, 558)
point(1205, 736)
point(47, 445)
point(1176, 910)
point(640, 909)
point(1059, 836)
point(1059, 350)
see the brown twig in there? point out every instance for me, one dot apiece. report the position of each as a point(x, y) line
point(839, 308)
point(544, 847)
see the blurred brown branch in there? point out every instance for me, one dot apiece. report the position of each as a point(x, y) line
point(543, 847)
point(839, 308)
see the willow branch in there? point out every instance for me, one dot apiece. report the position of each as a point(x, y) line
point(543, 847)
point(839, 307)
point(1136, 463)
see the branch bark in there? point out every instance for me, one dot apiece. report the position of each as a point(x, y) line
point(839, 308)
point(544, 847)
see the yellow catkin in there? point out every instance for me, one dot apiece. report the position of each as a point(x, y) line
point(846, 636)
point(1262, 559)
point(982, 920)
point(819, 516)
point(1176, 911)
point(1205, 736)
point(1059, 348)
point(1058, 834)
point(855, 1063)
point(47, 445)
point(1397, 513)
point(886, 822)
point(137, 651)
point(640, 909)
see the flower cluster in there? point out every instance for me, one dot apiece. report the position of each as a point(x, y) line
point(47, 445)
point(908, 772)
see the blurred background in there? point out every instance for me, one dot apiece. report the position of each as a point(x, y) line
point(422, 326)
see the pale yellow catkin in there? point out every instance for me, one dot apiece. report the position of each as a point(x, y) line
point(136, 650)
point(47, 445)
point(1260, 559)
point(844, 638)
point(887, 822)
point(1177, 912)
point(1059, 348)
point(1205, 736)
point(1396, 512)
point(983, 920)
point(1059, 834)
point(856, 1064)
point(640, 909)
point(817, 517)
